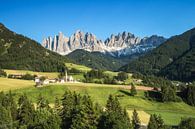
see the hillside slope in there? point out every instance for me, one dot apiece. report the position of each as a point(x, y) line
point(184, 67)
point(20, 52)
point(96, 60)
point(154, 61)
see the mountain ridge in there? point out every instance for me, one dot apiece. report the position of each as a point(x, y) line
point(122, 44)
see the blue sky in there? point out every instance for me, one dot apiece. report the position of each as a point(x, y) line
point(41, 18)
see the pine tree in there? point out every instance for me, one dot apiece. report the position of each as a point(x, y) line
point(68, 103)
point(188, 123)
point(45, 119)
point(191, 94)
point(42, 103)
point(156, 122)
point(82, 120)
point(12, 105)
point(5, 118)
point(25, 111)
point(57, 105)
point(135, 120)
point(133, 90)
point(153, 123)
point(114, 117)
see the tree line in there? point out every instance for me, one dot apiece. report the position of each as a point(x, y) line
point(99, 76)
point(73, 111)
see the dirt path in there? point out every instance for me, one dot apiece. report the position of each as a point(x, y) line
point(143, 88)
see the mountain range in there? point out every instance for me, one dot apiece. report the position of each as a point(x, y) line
point(123, 44)
point(173, 59)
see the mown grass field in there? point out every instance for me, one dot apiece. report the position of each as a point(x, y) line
point(11, 84)
point(170, 112)
point(78, 67)
point(78, 76)
point(48, 74)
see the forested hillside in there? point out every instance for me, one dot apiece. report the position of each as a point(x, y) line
point(20, 52)
point(165, 54)
point(96, 60)
point(184, 67)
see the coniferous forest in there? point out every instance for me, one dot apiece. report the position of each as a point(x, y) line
point(73, 111)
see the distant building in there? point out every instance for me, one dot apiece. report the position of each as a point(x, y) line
point(64, 79)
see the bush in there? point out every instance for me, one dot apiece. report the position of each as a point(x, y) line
point(73, 70)
point(188, 123)
point(122, 76)
point(28, 77)
point(3, 73)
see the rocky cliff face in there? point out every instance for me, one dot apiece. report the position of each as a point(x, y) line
point(122, 44)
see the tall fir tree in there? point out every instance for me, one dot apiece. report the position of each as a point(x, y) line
point(135, 120)
point(42, 103)
point(26, 111)
point(133, 90)
point(114, 117)
point(6, 121)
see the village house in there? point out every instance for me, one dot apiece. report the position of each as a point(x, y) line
point(47, 81)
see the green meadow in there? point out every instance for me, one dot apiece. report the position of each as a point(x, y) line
point(170, 112)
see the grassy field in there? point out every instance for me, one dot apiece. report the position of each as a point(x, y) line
point(78, 67)
point(170, 112)
point(48, 74)
point(11, 84)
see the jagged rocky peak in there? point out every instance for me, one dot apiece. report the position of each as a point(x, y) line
point(124, 43)
point(122, 40)
point(79, 40)
point(153, 40)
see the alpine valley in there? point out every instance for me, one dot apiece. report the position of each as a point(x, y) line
point(134, 67)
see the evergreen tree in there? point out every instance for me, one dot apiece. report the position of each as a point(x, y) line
point(90, 112)
point(168, 93)
point(114, 117)
point(57, 105)
point(156, 122)
point(12, 105)
point(188, 123)
point(122, 76)
point(82, 120)
point(191, 94)
point(25, 111)
point(133, 90)
point(5, 118)
point(45, 119)
point(42, 103)
point(67, 108)
point(135, 120)
point(9, 103)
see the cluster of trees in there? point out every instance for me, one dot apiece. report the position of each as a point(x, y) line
point(26, 76)
point(188, 94)
point(152, 81)
point(156, 122)
point(166, 94)
point(188, 123)
point(73, 111)
point(99, 76)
